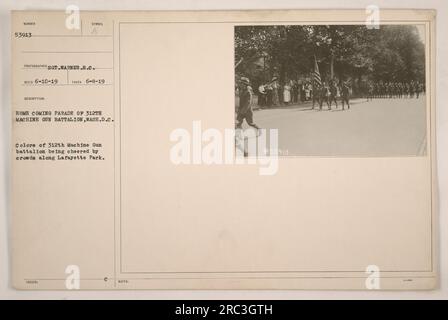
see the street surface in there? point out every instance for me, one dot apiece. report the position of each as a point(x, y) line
point(382, 127)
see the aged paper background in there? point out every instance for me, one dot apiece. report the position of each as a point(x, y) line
point(320, 223)
point(409, 177)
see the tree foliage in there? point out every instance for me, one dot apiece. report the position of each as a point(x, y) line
point(391, 53)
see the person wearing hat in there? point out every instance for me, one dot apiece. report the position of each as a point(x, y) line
point(345, 94)
point(324, 96)
point(333, 93)
point(245, 107)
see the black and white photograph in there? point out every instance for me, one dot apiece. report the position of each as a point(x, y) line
point(334, 90)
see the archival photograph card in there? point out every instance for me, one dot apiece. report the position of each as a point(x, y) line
point(285, 149)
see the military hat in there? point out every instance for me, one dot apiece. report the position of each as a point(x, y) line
point(245, 80)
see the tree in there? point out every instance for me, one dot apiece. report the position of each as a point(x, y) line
point(392, 53)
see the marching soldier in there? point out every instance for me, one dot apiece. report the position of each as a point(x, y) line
point(381, 90)
point(389, 90)
point(419, 89)
point(371, 90)
point(345, 94)
point(395, 94)
point(333, 94)
point(413, 88)
point(324, 96)
point(400, 90)
point(377, 90)
point(245, 107)
point(406, 90)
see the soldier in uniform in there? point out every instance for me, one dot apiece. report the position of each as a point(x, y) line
point(377, 90)
point(418, 89)
point(371, 90)
point(333, 91)
point(400, 90)
point(406, 90)
point(381, 90)
point(324, 94)
point(411, 89)
point(245, 106)
point(333, 94)
point(389, 90)
point(345, 94)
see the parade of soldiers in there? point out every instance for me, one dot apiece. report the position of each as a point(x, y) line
point(327, 94)
point(392, 90)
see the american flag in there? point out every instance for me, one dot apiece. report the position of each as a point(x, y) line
point(316, 74)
